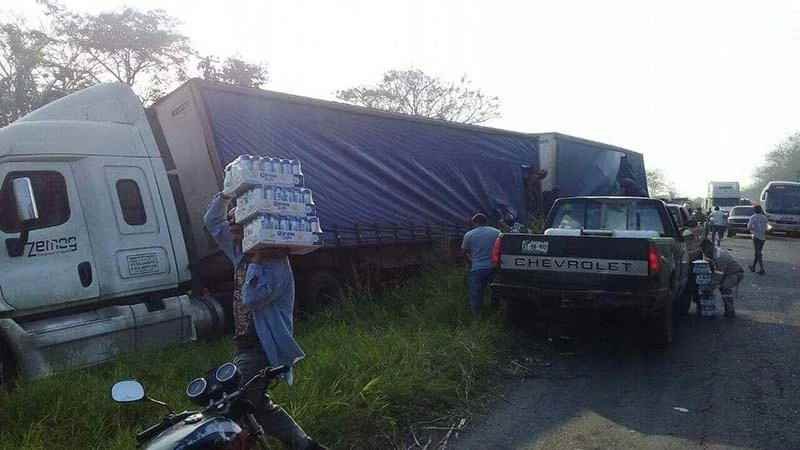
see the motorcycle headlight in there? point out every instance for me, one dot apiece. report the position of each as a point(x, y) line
point(227, 374)
point(197, 390)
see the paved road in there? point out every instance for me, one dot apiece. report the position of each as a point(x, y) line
point(739, 379)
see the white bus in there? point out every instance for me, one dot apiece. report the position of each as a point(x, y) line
point(781, 202)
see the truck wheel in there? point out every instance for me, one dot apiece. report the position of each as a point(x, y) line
point(8, 368)
point(322, 289)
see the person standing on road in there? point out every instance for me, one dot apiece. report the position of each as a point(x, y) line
point(717, 225)
point(263, 307)
point(477, 246)
point(729, 270)
point(757, 226)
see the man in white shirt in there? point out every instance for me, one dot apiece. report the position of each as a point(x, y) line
point(757, 225)
point(718, 225)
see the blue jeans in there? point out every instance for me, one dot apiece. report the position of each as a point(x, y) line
point(478, 281)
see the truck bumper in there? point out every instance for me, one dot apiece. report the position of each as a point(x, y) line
point(48, 345)
point(565, 299)
point(738, 228)
point(784, 227)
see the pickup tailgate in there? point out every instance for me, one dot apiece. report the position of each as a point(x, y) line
point(574, 262)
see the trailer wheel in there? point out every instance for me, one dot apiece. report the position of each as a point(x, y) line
point(8, 367)
point(323, 289)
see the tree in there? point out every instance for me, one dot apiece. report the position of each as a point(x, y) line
point(35, 69)
point(417, 93)
point(659, 186)
point(138, 48)
point(233, 70)
point(780, 164)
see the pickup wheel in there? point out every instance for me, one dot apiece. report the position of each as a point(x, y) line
point(661, 326)
point(684, 302)
point(516, 313)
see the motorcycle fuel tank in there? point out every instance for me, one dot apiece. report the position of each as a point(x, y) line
point(199, 433)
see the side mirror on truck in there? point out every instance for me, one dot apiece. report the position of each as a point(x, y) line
point(27, 212)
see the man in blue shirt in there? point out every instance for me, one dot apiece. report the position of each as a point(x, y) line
point(263, 307)
point(477, 246)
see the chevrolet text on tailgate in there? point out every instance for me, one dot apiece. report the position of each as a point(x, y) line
point(598, 253)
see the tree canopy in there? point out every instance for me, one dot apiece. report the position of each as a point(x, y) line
point(780, 164)
point(417, 93)
point(71, 51)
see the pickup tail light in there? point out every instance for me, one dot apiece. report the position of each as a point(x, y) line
point(653, 260)
point(497, 250)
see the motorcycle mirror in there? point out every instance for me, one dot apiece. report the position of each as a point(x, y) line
point(127, 391)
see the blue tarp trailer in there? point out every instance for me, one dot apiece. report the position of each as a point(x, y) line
point(372, 168)
point(378, 178)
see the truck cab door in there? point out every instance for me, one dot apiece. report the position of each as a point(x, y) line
point(57, 265)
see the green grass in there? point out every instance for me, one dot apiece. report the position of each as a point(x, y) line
point(375, 367)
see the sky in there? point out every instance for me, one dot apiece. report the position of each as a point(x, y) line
point(702, 88)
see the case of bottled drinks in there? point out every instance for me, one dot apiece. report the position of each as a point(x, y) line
point(247, 171)
point(272, 204)
point(274, 200)
point(300, 234)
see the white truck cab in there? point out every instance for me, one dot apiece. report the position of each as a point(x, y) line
point(724, 194)
point(93, 260)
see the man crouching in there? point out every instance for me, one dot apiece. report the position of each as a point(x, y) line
point(728, 273)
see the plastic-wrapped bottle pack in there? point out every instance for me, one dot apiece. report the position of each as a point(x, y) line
point(272, 204)
point(247, 171)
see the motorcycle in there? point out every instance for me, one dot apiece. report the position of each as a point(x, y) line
point(226, 421)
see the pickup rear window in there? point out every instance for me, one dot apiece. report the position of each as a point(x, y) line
point(608, 214)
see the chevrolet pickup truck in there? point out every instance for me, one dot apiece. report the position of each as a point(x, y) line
point(606, 253)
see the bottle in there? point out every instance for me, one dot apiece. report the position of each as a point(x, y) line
point(315, 228)
point(307, 199)
point(246, 164)
point(296, 170)
point(263, 168)
point(269, 194)
point(285, 225)
point(287, 167)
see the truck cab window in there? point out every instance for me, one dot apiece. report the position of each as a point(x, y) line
point(130, 200)
point(50, 191)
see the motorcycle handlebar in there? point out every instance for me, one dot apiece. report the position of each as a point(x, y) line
point(270, 373)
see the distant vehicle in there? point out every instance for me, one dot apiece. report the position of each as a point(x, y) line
point(724, 194)
point(738, 218)
point(781, 202)
point(597, 253)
